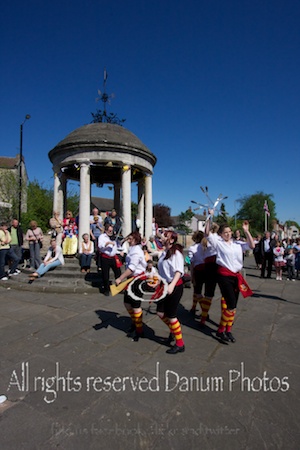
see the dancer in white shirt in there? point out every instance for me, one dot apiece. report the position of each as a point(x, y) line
point(135, 265)
point(229, 259)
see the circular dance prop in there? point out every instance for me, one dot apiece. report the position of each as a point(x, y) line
point(146, 289)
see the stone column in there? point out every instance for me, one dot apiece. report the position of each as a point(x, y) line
point(148, 206)
point(117, 198)
point(141, 205)
point(126, 200)
point(84, 201)
point(59, 193)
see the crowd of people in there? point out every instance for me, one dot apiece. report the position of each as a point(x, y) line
point(216, 258)
point(270, 251)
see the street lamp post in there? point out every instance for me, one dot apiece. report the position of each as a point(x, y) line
point(27, 117)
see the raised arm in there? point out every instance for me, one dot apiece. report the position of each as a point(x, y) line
point(248, 234)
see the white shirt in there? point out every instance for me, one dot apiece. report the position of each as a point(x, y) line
point(135, 260)
point(86, 246)
point(108, 250)
point(229, 254)
point(58, 254)
point(199, 256)
point(192, 250)
point(209, 250)
point(152, 272)
point(278, 253)
point(168, 267)
point(267, 245)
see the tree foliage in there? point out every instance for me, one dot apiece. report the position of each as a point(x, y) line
point(40, 205)
point(184, 221)
point(162, 214)
point(9, 193)
point(222, 216)
point(252, 209)
point(290, 223)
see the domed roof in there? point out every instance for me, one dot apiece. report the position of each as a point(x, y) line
point(107, 147)
point(102, 136)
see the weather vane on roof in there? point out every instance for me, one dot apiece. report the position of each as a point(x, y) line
point(102, 116)
point(103, 96)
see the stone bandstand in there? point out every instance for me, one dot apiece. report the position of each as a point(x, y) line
point(104, 153)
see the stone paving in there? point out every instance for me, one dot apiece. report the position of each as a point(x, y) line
point(73, 380)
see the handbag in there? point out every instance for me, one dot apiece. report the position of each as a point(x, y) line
point(39, 241)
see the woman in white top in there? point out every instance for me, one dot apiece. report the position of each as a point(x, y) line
point(86, 251)
point(171, 268)
point(135, 265)
point(229, 258)
point(53, 259)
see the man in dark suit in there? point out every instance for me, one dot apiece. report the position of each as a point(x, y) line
point(267, 245)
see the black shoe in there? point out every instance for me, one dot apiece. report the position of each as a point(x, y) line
point(230, 336)
point(193, 311)
point(169, 339)
point(136, 336)
point(175, 349)
point(202, 325)
point(106, 293)
point(222, 336)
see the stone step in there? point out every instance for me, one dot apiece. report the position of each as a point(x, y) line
point(89, 283)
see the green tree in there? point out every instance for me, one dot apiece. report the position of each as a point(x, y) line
point(184, 221)
point(252, 209)
point(40, 204)
point(162, 214)
point(9, 193)
point(222, 216)
point(290, 223)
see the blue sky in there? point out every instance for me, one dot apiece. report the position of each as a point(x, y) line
point(210, 87)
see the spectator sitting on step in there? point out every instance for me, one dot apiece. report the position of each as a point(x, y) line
point(53, 259)
point(152, 248)
point(86, 251)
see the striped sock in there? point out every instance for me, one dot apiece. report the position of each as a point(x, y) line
point(226, 316)
point(195, 301)
point(175, 328)
point(223, 304)
point(230, 321)
point(205, 305)
point(138, 321)
point(131, 313)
